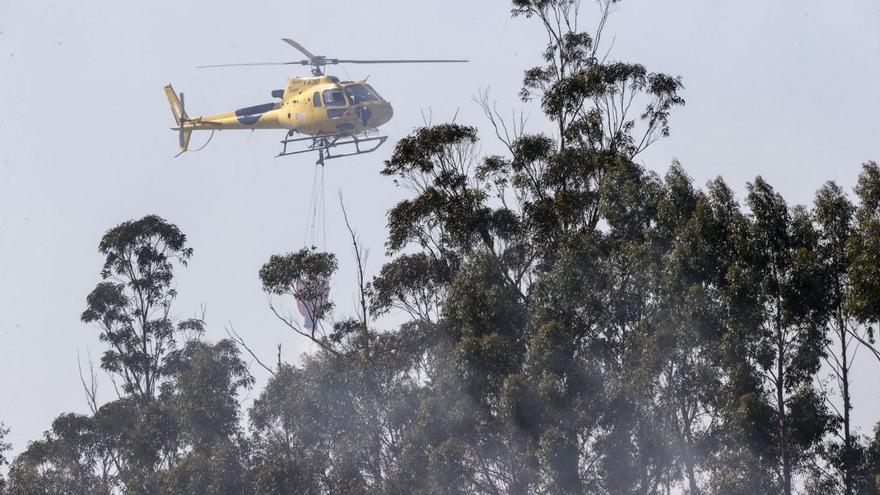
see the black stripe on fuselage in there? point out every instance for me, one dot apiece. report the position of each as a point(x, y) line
point(250, 115)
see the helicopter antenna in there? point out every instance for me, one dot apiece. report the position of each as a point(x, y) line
point(319, 63)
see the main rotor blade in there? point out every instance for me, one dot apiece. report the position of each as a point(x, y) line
point(299, 47)
point(346, 61)
point(303, 62)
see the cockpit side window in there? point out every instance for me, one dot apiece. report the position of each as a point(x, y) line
point(358, 93)
point(373, 90)
point(316, 99)
point(334, 98)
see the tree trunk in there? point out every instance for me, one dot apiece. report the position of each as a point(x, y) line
point(847, 405)
point(693, 489)
point(783, 430)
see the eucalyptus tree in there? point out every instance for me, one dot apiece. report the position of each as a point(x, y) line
point(132, 303)
point(174, 425)
point(302, 278)
point(850, 247)
point(865, 247)
point(209, 452)
point(865, 302)
point(65, 460)
point(839, 243)
point(337, 423)
point(687, 321)
point(596, 104)
point(782, 285)
point(513, 229)
point(874, 461)
point(834, 216)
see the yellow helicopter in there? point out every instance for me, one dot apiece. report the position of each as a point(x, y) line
point(334, 116)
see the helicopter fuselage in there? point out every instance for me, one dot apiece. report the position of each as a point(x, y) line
point(309, 105)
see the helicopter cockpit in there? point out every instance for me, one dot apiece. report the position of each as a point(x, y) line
point(341, 100)
point(359, 93)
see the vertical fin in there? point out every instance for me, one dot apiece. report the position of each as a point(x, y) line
point(180, 117)
point(176, 105)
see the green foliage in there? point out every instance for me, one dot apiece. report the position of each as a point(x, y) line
point(141, 252)
point(337, 424)
point(413, 283)
point(865, 247)
point(187, 440)
point(4, 447)
point(132, 304)
point(873, 474)
point(304, 278)
point(281, 273)
point(218, 470)
point(65, 460)
point(202, 389)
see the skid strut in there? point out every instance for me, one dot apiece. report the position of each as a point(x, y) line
point(329, 146)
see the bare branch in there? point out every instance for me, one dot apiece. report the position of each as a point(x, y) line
point(508, 135)
point(360, 256)
point(90, 389)
point(309, 335)
point(239, 341)
point(865, 343)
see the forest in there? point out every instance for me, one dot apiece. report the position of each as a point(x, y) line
point(573, 323)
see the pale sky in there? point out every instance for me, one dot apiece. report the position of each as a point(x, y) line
point(785, 89)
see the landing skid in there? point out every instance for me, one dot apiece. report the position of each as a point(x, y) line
point(329, 146)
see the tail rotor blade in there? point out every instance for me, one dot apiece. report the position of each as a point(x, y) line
point(180, 136)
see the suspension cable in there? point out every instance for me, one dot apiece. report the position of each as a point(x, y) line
point(316, 225)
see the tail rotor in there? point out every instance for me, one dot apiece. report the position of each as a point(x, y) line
point(183, 136)
point(180, 117)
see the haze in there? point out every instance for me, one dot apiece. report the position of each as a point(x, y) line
point(786, 89)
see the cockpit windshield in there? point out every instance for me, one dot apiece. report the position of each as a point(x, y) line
point(334, 98)
point(358, 93)
point(373, 90)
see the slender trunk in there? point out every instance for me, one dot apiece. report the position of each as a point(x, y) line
point(517, 487)
point(569, 475)
point(847, 405)
point(148, 391)
point(780, 399)
point(689, 461)
point(693, 489)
